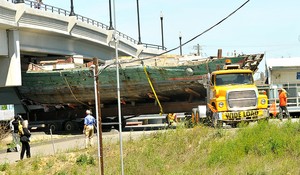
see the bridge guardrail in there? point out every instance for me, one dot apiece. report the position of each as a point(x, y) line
point(45, 7)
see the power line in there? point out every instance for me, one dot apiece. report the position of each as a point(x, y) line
point(218, 23)
point(210, 28)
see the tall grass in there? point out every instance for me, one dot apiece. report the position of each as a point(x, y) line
point(264, 148)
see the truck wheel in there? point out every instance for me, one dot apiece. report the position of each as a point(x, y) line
point(215, 122)
point(69, 126)
point(209, 115)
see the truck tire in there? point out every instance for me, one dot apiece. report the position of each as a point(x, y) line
point(69, 126)
point(216, 123)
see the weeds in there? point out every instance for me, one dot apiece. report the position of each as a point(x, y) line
point(4, 167)
point(4, 129)
point(263, 148)
point(84, 159)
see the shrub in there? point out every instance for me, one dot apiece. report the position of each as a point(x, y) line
point(4, 166)
point(84, 159)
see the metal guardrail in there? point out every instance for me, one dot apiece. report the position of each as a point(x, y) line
point(45, 7)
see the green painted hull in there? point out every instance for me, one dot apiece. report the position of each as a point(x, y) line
point(76, 86)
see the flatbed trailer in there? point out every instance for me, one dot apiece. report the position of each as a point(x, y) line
point(71, 119)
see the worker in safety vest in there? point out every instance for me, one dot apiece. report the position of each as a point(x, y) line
point(171, 119)
point(283, 103)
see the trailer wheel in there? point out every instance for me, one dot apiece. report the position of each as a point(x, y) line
point(53, 127)
point(69, 126)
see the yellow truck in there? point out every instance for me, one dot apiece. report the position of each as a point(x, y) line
point(232, 97)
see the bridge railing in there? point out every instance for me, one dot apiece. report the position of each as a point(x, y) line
point(45, 7)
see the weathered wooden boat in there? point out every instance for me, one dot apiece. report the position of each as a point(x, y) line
point(174, 79)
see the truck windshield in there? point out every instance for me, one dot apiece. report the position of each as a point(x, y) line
point(236, 78)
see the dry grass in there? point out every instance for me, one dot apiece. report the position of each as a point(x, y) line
point(260, 149)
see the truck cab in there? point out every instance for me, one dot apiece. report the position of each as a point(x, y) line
point(232, 97)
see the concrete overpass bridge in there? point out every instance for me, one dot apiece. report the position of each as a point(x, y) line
point(50, 32)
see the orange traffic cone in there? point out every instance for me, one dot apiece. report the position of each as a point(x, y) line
point(273, 110)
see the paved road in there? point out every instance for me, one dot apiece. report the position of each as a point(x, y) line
point(67, 143)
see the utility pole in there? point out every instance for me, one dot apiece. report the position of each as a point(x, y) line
point(198, 48)
point(98, 115)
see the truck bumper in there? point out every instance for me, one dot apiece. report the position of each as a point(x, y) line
point(239, 116)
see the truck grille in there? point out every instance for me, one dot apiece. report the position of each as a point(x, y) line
point(246, 99)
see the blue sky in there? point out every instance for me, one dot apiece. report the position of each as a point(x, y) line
point(261, 26)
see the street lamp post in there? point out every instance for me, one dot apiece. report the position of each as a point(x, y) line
point(72, 9)
point(138, 16)
point(19, 1)
point(162, 30)
point(110, 17)
point(180, 37)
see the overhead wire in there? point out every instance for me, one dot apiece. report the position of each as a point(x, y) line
point(210, 28)
point(218, 23)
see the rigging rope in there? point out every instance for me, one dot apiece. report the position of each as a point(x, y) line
point(153, 90)
point(72, 91)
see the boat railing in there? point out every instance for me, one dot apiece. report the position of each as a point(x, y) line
point(33, 67)
point(90, 21)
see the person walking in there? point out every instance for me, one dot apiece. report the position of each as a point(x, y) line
point(14, 125)
point(283, 103)
point(24, 138)
point(88, 128)
point(38, 4)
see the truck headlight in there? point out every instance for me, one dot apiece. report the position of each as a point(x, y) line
point(221, 104)
point(263, 101)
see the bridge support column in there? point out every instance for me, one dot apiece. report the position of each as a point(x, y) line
point(10, 64)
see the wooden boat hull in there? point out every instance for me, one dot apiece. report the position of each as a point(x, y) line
point(76, 86)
